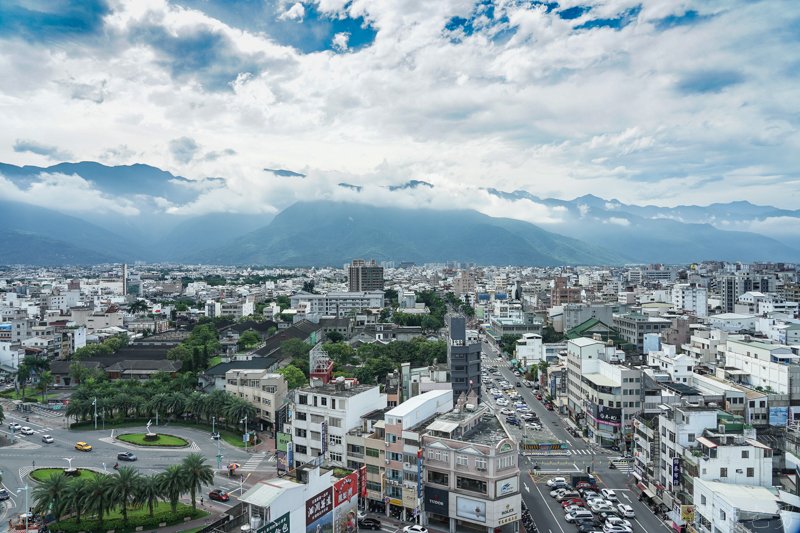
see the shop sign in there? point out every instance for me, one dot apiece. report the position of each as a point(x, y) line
point(319, 506)
point(676, 471)
point(687, 514)
point(437, 501)
point(506, 486)
point(281, 525)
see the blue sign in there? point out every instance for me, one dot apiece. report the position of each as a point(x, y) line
point(419, 474)
point(778, 416)
point(290, 463)
point(676, 471)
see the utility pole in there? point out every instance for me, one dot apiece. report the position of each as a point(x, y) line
point(26, 489)
point(94, 403)
point(245, 432)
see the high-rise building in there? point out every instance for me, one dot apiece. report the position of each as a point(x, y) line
point(463, 358)
point(736, 285)
point(365, 277)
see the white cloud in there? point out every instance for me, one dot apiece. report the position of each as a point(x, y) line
point(66, 193)
point(296, 12)
point(618, 221)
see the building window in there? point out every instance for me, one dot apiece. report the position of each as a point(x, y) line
point(505, 462)
point(336, 457)
point(722, 515)
point(374, 486)
point(333, 403)
point(394, 456)
point(438, 477)
point(480, 463)
point(391, 437)
point(302, 399)
point(299, 415)
point(472, 485)
point(316, 436)
point(335, 422)
point(299, 448)
point(702, 499)
point(745, 454)
point(299, 432)
point(316, 419)
point(372, 452)
point(723, 472)
point(336, 439)
point(324, 401)
point(462, 460)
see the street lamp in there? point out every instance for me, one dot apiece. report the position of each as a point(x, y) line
point(245, 431)
point(94, 403)
point(26, 489)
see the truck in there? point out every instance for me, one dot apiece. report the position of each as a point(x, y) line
point(583, 481)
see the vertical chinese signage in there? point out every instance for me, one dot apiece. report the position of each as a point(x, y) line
point(282, 439)
point(324, 439)
point(363, 478)
point(676, 471)
point(319, 512)
point(345, 502)
point(419, 473)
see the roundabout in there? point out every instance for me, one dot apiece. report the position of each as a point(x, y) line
point(152, 439)
point(43, 474)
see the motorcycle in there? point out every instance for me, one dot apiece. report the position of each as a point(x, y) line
point(116, 466)
point(611, 466)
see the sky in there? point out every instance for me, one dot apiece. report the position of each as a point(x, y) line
point(659, 102)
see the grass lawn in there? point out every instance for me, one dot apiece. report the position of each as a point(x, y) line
point(164, 440)
point(44, 474)
point(214, 361)
point(231, 437)
point(30, 396)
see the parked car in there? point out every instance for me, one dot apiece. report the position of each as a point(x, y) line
point(615, 529)
point(26, 431)
point(572, 517)
point(506, 412)
point(47, 439)
point(534, 426)
point(597, 500)
point(605, 515)
point(415, 529)
point(550, 407)
point(369, 523)
point(572, 501)
point(559, 480)
point(617, 521)
point(601, 508)
point(83, 447)
point(4, 494)
point(219, 495)
point(609, 494)
point(626, 510)
point(587, 526)
point(126, 456)
point(567, 495)
point(572, 508)
point(513, 421)
point(539, 396)
point(559, 490)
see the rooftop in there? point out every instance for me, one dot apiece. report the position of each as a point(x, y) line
point(331, 390)
point(489, 431)
point(409, 406)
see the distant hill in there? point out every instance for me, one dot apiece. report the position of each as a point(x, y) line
point(331, 233)
point(19, 247)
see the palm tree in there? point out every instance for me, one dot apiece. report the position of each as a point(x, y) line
point(122, 402)
point(237, 409)
point(49, 495)
point(176, 402)
point(195, 404)
point(185, 382)
point(139, 306)
point(126, 482)
point(148, 492)
point(22, 375)
point(217, 401)
point(74, 497)
point(172, 484)
point(99, 495)
point(139, 405)
point(45, 380)
point(75, 409)
point(160, 403)
point(197, 473)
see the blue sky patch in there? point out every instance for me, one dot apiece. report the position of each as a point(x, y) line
point(616, 23)
point(688, 18)
point(573, 12)
point(313, 34)
point(51, 21)
point(709, 81)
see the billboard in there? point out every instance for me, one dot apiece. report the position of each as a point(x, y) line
point(283, 461)
point(281, 525)
point(506, 486)
point(282, 439)
point(687, 514)
point(319, 512)
point(362, 477)
point(437, 501)
point(345, 502)
point(471, 509)
point(676, 471)
point(778, 416)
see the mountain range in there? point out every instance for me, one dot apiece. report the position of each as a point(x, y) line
point(588, 229)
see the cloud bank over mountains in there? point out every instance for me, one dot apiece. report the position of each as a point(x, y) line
point(656, 102)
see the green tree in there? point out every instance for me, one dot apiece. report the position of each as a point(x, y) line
point(179, 353)
point(22, 376)
point(249, 338)
point(295, 348)
point(45, 380)
point(335, 336)
point(78, 372)
point(2, 418)
point(389, 295)
point(139, 306)
point(197, 473)
point(147, 492)
point(550, 335)
point(49, 495)
point(172, 484)
point(74, 497)
point(294, 376)
point(308, 286)
point(99, 495)
point(125, 484)
point(341, 353)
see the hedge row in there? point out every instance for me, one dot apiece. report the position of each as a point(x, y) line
point(117, 524)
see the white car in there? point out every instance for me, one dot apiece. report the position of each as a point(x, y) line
point(591, 502)
point(617, 521)
point(555, 480)
point(535, 427)
point(14, 426)
point(47, 439)
point(415, 529)
point(506, 412)
point(26, 431)
point(609, 494)
point(626, 510)
point(602, 508)
point(555, 493)
point(570, 508)
point(501, 402)
point(615, 529)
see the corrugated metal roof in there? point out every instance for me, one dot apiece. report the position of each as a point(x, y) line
point(441, 425)
point(705, 442)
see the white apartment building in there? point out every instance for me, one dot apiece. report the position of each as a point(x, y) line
point(463, 284)
point(758, 364)
point(733, 459)
point(63, 300)
point(689, 298)
point(529, 349)
point(680, 425)
point(263, 389)
point(733, 321)
point(602, 395)
point(719, 507)
point(337, 303)
point(323, 415)
point(678, 366)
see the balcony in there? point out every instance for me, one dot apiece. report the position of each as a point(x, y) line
point(359, 455)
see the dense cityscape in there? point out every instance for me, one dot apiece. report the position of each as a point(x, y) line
point(388, 395)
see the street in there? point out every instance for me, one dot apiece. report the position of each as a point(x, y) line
point(546, 512)
point(29, 452)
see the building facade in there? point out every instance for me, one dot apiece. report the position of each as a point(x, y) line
point(365, 277)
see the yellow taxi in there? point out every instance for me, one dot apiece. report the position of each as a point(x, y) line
point(83, 447)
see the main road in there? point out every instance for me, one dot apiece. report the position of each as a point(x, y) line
point(29, 452)
point(546, 512)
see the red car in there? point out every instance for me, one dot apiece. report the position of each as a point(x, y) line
point(572, 501)
point(219, 495)
point(549, 406)
point(538, 396)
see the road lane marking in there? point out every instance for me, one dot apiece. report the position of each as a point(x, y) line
point(548, 507)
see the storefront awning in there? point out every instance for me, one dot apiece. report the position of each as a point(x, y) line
point(647, 492)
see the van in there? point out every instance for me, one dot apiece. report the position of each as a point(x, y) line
point(578, 515)
point(567, 495)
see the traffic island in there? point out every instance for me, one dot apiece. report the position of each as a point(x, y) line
point(152, 439)
point(43, 474)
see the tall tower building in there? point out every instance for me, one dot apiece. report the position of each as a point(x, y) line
point(365, 277)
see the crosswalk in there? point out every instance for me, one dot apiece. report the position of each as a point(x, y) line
point(253, 462)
